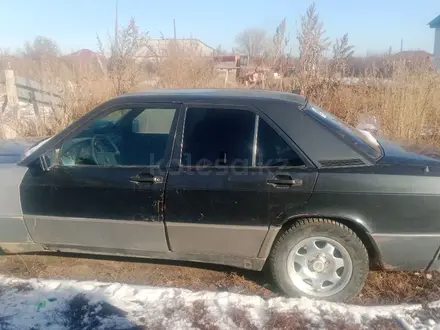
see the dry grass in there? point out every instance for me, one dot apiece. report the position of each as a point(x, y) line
point(200, 317)
point(399, 287)
point(241, 319)
point(403, 107)
point(380, 288)
point(381, 323)
point(404, 103)
point(291, 320)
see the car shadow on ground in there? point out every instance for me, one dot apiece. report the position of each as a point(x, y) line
point(25, 306)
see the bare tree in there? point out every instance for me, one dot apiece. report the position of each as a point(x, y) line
point(41, 47)
point(342, 51)
point(252, 42)
point(312, 46)
point(125, 62)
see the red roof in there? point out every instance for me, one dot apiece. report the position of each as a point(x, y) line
point(85, 54)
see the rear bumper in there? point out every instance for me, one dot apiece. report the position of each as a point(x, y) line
point(409, 252)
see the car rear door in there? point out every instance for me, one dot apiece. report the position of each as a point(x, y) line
point(290, 176)
point(216, 202)
point(221, 197)
point(106, 206)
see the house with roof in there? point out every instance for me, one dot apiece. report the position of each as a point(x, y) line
point(161, 48)
point(435, 24)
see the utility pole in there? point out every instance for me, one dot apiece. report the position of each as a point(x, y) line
point(174, 26)
point(116, 26)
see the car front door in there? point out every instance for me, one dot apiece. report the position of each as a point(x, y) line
point(105, 189)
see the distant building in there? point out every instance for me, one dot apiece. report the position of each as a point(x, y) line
point(435, 24)
point(160, 48)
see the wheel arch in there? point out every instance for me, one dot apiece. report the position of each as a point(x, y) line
point(357, 227)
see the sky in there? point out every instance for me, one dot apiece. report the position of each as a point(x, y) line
point(373, 26)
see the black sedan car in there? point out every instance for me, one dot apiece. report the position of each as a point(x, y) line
point(246, 178)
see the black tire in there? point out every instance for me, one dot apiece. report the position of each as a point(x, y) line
point(336, 231)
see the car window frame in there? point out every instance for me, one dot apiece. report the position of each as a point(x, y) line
point(258, 115)
point(105, 112)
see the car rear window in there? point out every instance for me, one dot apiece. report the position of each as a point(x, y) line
point(355, 138)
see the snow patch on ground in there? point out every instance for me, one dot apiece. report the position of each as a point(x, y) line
point(67, 304)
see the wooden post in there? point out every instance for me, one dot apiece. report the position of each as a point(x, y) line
point(11, 92)
point(226, 77)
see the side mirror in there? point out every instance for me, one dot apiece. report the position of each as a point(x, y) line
point(44, 163)
point(46, 160)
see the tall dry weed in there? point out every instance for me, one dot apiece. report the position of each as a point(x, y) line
point(405, 105)
point(185, 67)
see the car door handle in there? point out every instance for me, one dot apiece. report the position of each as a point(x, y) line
point(285, 182)
point(146, 178)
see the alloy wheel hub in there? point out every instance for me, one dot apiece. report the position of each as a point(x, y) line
point(319, 266)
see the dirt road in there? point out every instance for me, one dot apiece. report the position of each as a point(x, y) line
point(381, 288)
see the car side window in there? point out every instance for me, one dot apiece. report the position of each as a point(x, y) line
point(272, 149)
point(153, 121)
point(218, 137)
point(128, 137)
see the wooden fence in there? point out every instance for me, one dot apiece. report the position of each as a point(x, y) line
point(23, 97)
point(21, 89)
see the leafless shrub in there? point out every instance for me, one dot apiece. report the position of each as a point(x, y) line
point(342, 51)
point(252, 42)
point(184, 67)
point(125, 63)
point(312, 47)
point(41, 47)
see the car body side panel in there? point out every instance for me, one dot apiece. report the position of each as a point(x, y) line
point(285, 201)
point(407, 251)
point(12, 226)
point(385, 203)
point(98, 233)
point(398, 212)
point(92, 209)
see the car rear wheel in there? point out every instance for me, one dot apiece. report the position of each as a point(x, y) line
point(321, 259)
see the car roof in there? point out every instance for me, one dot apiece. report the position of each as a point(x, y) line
point(191, 94)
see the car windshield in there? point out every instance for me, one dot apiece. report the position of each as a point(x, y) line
point(358, 139)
